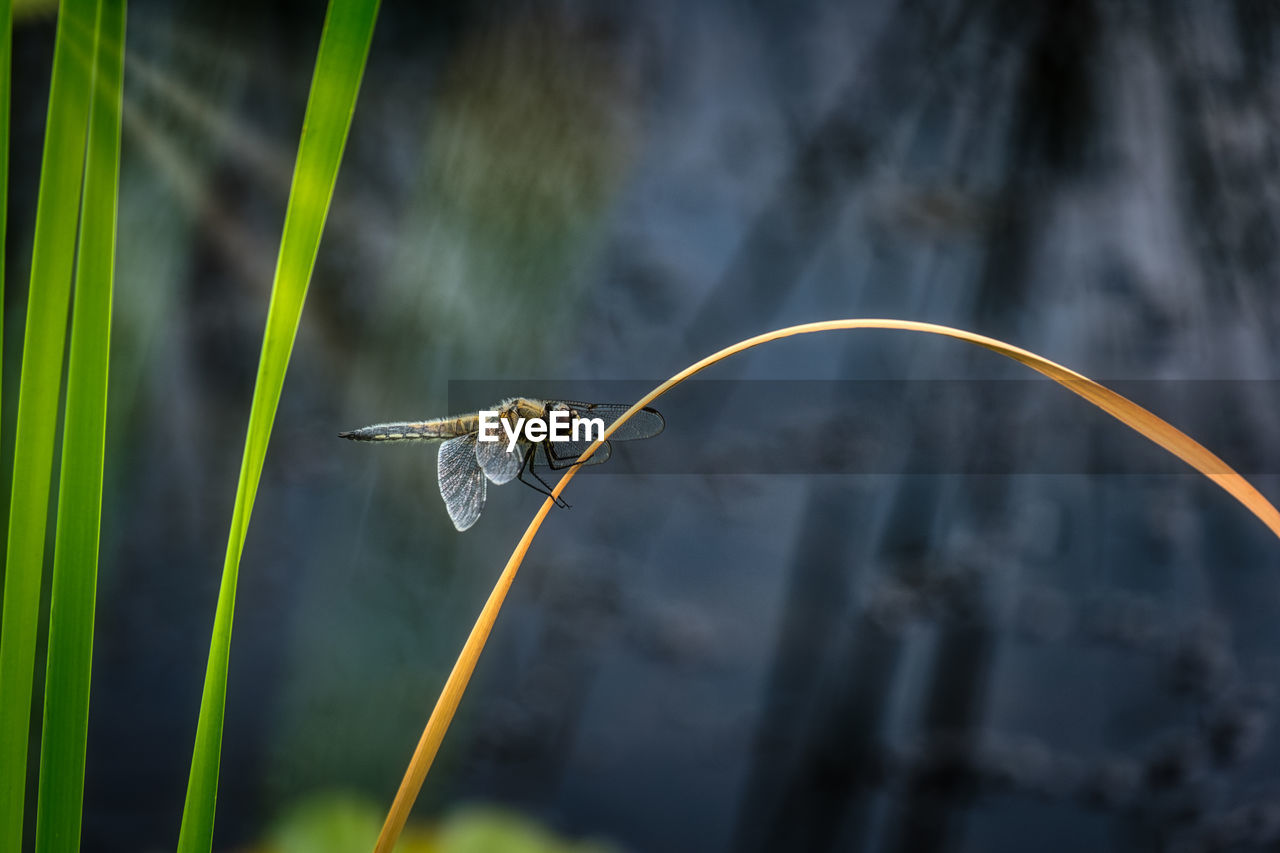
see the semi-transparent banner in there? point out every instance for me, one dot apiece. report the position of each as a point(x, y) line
point(1004, 427)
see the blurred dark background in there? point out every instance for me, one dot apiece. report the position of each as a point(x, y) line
point(1060, 654)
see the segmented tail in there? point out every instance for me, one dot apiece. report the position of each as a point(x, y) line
point(405, 431)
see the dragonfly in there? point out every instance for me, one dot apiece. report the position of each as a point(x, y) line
point(465, 463)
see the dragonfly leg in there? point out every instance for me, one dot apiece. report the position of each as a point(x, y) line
point(543, 489)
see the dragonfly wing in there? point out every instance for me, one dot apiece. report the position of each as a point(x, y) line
point(562, 454)
point(461, 480)
point(499, 465)
point(645, 423)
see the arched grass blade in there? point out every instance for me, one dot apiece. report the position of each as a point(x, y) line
point(57, 210)
point(75, 554)
point(1126, 411)
point(344, 46)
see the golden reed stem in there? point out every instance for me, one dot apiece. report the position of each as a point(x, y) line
point(1124, 410)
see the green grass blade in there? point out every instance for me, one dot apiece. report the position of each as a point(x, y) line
point(344, 46)
point(75, 555)
point(52, 252)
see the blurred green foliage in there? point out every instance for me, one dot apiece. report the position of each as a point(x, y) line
point(33, 8)
point(343, 822)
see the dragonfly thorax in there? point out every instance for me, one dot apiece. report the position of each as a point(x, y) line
point(515, 408)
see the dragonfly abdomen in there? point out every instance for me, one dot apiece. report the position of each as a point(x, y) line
point(409, 430)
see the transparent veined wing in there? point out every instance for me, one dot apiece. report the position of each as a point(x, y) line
point(462, 482)
point(499, 465)
point(645, 423)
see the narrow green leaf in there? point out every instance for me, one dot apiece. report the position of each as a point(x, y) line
point(344, 47)
point(57, 207)
point(75, 553)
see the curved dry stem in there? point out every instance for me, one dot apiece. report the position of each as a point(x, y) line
point(1124, 410)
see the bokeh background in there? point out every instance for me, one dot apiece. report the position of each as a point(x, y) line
point(1059, 655)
